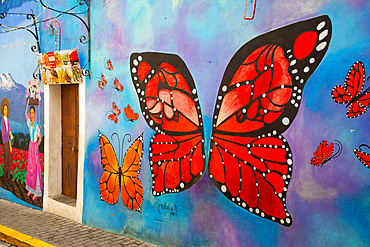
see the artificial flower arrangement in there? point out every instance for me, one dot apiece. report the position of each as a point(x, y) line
point(33, 92)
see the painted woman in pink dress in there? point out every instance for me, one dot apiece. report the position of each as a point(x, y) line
point(34, 177)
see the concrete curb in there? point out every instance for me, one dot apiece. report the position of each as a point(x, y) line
point(19, 239)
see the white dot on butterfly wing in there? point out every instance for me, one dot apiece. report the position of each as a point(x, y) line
point(223, 188)
point(321, 25)
point(285, 121)
point(321, 46)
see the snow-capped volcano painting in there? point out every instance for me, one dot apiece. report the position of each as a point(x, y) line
point(16, 93)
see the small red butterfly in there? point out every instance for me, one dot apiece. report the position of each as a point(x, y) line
point(324, 153)
point(115, 113)
point(130, 115)
point(351, 94)
point(109, 65)
point(117, 85)
point(101, 85)
point(362, 156)
point(102, 82)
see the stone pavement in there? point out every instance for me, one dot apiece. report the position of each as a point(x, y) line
point(24, 226)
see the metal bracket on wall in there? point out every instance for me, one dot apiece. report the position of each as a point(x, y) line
point(29, 16)
point(82, 39)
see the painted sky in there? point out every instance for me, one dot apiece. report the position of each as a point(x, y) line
point(329, 204)
point(21, 40)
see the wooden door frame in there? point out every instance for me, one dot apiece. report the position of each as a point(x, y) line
point(53, 157)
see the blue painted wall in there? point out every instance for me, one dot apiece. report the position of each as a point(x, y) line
point(328, 204)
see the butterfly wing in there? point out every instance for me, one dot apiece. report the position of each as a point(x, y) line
point(341, 95)
point(356, 109)
point(113, 117)
point(169, 103)
point(118, 85)
point(115, 109)
point(109, 64)
point(109, 181)
point(355, 79)
point(350, 93)
point(363, 157)
point(132, 189)
point(259, 96)
point(103, 79)
point(323, 153)
point(129, 113)
point(101, 85)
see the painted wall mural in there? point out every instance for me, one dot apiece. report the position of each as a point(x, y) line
point(17, 87)
point(192, 61)
point(125, 177)
point(259, 97)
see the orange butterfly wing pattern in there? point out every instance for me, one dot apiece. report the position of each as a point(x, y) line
point(126, 177)
point(129, 113)
point(109, 181)
point(132, 189)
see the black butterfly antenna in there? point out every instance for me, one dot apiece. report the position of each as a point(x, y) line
point(111, 110)
point(105, 63)
point(363, 145)
point(120, 147)
point(340, 148)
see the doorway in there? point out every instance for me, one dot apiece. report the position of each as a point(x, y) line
point(70, 131)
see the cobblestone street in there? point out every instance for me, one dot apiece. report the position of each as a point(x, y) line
point(33, 227)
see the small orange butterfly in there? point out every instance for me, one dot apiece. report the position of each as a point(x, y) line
point(115, 113)
point(103, 82)
point(109, 65)
point(117, 85)
point(125, 176)
point(130, 115)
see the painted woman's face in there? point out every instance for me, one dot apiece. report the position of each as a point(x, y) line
point(32, 114)
point(5, 111)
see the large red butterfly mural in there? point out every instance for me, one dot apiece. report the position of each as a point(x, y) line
point(250, 162)
point(351, 94)
point(362, 156)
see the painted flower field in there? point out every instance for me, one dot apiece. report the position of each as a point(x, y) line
point(16, 185)
point(19, 158)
